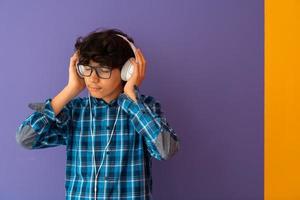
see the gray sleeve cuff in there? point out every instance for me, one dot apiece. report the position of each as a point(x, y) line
point(26, 136)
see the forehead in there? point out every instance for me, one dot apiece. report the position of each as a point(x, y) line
point(94, 64)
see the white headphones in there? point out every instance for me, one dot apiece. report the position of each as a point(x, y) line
point(128, 67)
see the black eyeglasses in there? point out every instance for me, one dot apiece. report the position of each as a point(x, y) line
point(86, 71)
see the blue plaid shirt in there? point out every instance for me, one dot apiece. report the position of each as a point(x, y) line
point(140, 133)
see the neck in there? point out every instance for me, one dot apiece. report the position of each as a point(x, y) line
point(113, 95)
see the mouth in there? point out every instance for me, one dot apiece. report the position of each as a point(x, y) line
point(94, 88)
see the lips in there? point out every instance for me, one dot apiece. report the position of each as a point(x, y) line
point(94, 88)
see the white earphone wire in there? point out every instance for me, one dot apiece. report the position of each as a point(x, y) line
point(93, 150)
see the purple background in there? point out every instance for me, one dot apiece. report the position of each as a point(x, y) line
point(204, 64)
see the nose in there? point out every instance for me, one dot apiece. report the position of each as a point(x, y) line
point(94, 77)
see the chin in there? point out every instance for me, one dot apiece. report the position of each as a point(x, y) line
point(96, 94)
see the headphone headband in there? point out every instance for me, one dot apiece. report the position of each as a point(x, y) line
point(130, 43)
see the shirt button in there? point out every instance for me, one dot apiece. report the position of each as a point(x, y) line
point(108, 127)
point(143, 111)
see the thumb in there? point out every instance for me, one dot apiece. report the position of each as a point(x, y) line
point(135, 69)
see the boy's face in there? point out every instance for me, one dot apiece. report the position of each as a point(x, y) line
point(108, 89)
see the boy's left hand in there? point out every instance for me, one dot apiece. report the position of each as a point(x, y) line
point(137, 76)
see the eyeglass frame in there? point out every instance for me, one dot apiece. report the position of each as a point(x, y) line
point(94, 68)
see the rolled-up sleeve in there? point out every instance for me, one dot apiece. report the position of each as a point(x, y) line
point(43, 129)
point(149, 121)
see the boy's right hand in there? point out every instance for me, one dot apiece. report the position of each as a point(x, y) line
point(76, 83)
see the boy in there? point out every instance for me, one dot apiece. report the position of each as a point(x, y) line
point(112, 135)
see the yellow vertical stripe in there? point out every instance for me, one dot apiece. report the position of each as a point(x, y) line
point(282, 100)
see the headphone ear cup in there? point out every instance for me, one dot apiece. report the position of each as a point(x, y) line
point(77, 70)
point(127, 70)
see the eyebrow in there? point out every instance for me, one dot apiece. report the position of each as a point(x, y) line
point(101, 66)
point(98, 65)
point(95, 66)
point(87, 64)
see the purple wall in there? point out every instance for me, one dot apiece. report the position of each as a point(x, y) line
point(205, 66)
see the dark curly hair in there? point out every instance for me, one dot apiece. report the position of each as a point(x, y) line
point(104, 47)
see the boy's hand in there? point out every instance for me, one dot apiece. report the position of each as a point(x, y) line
point(76, 83)
point(138, 75)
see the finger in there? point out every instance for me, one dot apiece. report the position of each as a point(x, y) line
point(143, 66)
point(134, 77)
point(138, 70)
point(76, 55)
point(73, 62)
point(136, 65)
point(135, 69)
point(140, 55)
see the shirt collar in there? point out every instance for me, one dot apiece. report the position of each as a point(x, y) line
point(114, 102)
point(101, 102)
